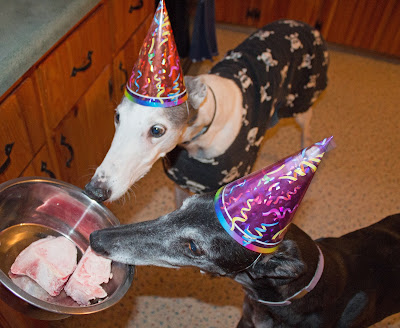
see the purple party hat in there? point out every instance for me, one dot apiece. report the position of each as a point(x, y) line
point(257, 209)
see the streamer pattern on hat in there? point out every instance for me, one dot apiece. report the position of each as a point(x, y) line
point(157, 78)
point(256, 210)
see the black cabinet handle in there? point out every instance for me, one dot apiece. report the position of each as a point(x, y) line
point(253, 13)
point(76, 70)
point(43, 168)
point(7, 151)
point(123, 70)
point(139, 6)
point(70, 149)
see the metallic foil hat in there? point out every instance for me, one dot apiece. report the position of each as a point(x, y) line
point(256, 210)
point(157, 78)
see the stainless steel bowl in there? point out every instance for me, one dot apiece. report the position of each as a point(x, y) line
point(33, 208)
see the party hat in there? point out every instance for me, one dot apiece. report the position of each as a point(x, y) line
point(157, 78)
point(257, 209)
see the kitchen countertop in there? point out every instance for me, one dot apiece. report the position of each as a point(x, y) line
point(29, 28)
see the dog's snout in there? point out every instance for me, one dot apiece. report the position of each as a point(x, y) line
point(97, 190)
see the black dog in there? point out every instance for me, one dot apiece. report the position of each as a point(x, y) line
point(360, 279)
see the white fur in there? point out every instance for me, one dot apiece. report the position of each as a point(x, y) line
point(133, 150)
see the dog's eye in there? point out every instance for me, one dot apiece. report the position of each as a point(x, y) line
point(116, 118)
point(193, 248)
point(157, 131)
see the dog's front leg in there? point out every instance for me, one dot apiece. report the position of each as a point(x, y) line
point(180, 196)
point(246, 321)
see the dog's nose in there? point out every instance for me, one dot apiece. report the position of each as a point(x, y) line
point(97, 191)
point(95, 243)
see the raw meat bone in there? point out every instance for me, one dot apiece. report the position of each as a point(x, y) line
point(84, 284)
point(49, 261)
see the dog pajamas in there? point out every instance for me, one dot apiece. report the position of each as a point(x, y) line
point(280, 69)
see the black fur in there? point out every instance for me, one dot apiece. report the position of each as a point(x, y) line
point(359, 285)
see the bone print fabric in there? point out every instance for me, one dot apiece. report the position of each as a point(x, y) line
point(280, 69)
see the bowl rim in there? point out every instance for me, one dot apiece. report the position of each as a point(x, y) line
point(60, 309)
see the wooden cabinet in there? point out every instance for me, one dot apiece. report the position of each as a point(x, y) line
point(365, 24)
point(59, 121)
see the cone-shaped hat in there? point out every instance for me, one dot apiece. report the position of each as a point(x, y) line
point(257, 209)
point(157, 78)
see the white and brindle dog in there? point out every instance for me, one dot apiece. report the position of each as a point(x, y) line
point(279, 71)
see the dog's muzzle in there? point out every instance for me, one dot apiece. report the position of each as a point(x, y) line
point(97, 191)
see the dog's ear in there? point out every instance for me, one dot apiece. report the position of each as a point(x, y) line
point(285, 263)
point(197, 90)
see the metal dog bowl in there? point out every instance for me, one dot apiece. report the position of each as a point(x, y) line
point(33, 208)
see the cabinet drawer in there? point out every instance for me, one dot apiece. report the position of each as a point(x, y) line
point(126, 17)
point(15, 149)
point(73, 66)
point(41, 165)
point(126, 58)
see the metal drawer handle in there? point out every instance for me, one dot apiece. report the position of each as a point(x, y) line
point(43, 168)
point(139, 6)
point(7, 151)
point(76, 70)
point(70, 149)
point(123, 70)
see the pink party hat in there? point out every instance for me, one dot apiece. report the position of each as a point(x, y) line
point(257, 209)
point(157, 78)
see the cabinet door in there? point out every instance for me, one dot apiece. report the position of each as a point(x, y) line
point(72, 147)
point(99, 105)
point(41, 165)
point(28, 102)
point(15, 147)
point(84, 135)
point(127, 16)
point(126, 58)
point(73, 66)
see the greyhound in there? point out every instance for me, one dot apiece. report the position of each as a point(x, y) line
point(351, 281)
point(279, 71)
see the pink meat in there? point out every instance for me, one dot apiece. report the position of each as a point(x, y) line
point(84, 284)
point(49, 261)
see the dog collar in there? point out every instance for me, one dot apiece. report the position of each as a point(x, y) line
point(305, 290)
point(205, 129)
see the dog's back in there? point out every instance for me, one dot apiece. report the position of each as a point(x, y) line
point(369, 259)
point(280, 68)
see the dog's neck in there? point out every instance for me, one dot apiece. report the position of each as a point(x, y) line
point(280, 290)
point(305, 290)
point(218, 119)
